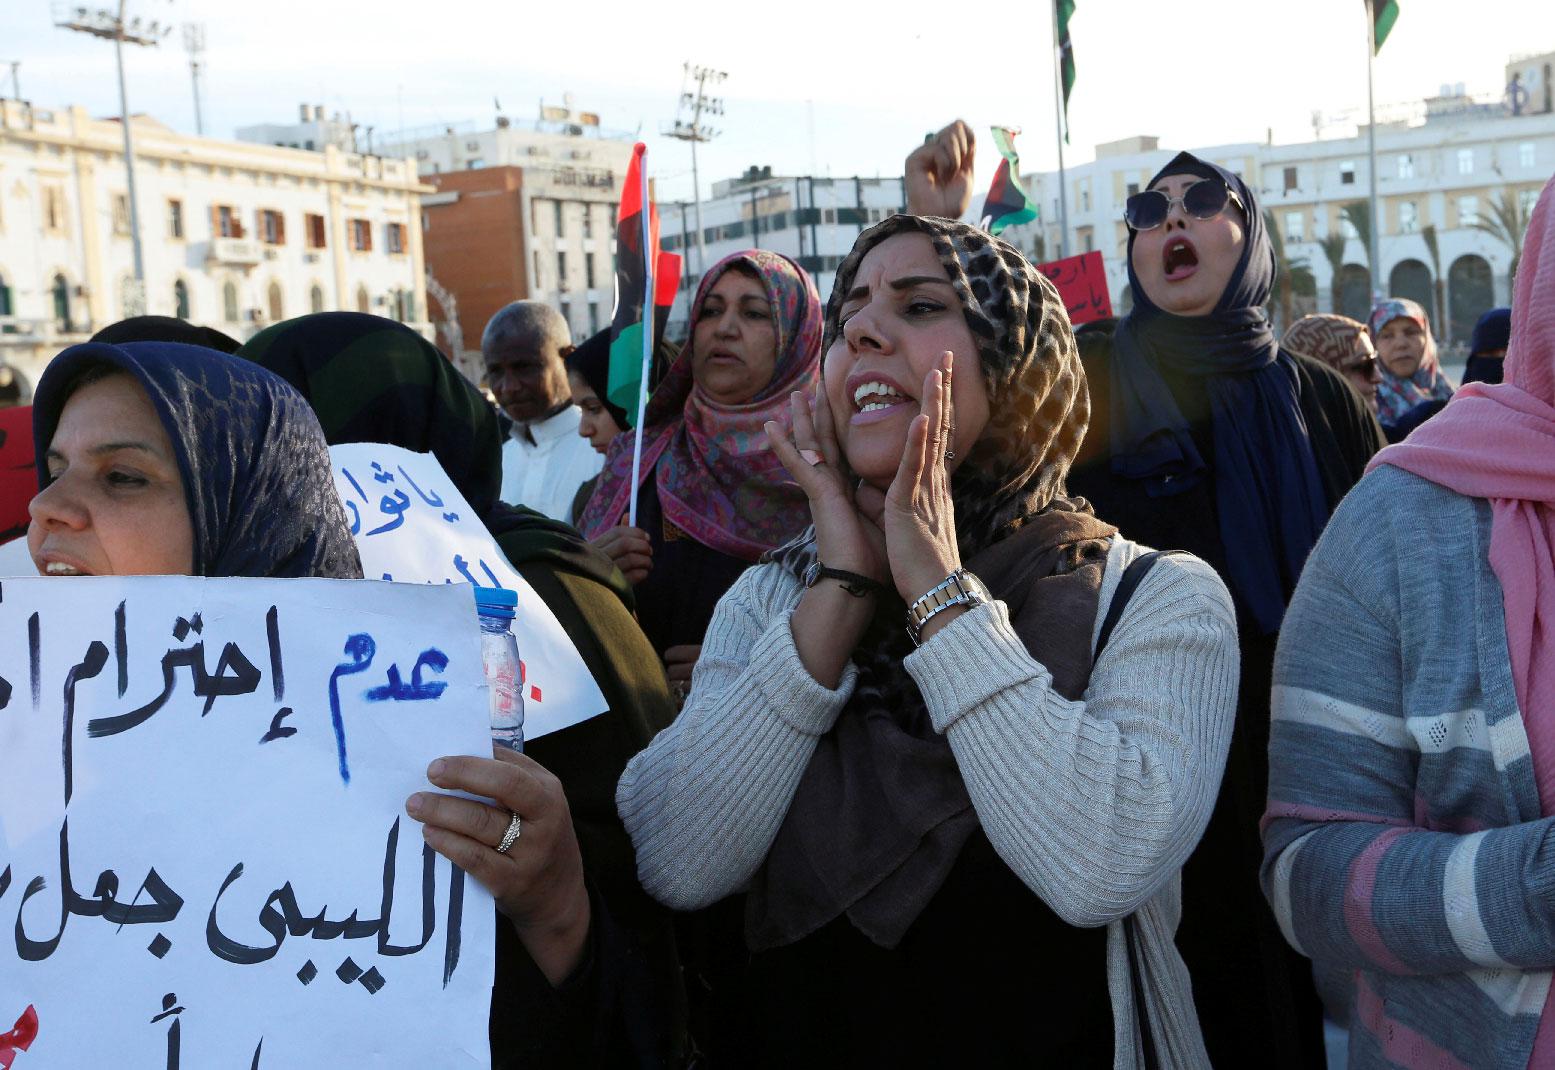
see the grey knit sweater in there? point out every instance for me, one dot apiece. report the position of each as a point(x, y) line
point(1093, 804)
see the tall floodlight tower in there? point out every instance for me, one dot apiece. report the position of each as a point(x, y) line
point(698, 103)
point(194, 44)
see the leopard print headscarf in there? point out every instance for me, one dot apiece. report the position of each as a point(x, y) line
point(881, 814)
point(1039, 405)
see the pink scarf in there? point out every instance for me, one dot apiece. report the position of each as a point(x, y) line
point(717, 477)
point(1498, 442)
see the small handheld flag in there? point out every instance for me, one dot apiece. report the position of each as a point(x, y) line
point(637, 252)
point(1007, 202)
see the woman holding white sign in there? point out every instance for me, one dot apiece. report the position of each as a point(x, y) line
point(985, 830)
point(167, 459)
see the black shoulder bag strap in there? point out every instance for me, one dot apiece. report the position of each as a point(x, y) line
point(1127, 583)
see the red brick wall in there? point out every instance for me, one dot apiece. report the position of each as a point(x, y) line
point(475, 246)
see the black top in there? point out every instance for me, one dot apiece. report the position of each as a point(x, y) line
point(987, 975)
point(1254, 994)
point(675, 602)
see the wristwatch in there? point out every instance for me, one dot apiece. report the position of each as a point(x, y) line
point(960, 588)
point(856, 585)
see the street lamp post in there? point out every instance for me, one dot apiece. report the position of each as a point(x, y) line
point(695, 133)
point(110, 26)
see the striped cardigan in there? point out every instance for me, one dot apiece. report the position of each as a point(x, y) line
point(1404, 847)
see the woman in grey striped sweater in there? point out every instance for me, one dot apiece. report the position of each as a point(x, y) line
point(1408, 839)
point(965, 852)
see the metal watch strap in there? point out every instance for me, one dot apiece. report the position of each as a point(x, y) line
point(960, 588)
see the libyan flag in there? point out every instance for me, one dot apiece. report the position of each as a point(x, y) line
point(1006, 203)
point(627, 323)
point(1384, 13)
point(1063, 11)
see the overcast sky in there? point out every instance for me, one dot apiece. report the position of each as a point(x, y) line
point(840, 87)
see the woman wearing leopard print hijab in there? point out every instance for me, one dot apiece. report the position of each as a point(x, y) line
point(940, 846)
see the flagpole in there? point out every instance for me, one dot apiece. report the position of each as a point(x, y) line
point(1371, 147)
point(1058, 126)
point(647, 325)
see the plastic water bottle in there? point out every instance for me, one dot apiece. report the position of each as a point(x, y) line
point(499, 657)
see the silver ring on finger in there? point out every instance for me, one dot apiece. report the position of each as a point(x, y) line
point(510, 837)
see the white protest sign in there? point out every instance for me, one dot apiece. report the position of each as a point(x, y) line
point(15, 560)
point(413, 526)
point(205, 859)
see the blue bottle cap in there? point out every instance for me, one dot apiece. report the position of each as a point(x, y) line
point(496, 602)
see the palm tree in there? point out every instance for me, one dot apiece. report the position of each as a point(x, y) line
point(1333, 251)
point(1507, 223)
point(1434, 250)
point(1358, 215)
point(1293, 277)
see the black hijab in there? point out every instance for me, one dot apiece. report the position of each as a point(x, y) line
point(1269, 495)
point(591, 360)
point(254, 463)
point(370, 379)
point(165, 329)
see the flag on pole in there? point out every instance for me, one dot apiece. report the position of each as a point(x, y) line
point(627, 323)
point(666, 284)
point(1007, 202)
point(1384, 13)
point(1065, 11)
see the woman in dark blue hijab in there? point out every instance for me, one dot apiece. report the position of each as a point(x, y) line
point(1208, 438)
point(245, 446)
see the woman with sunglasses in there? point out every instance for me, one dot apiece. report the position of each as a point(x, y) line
point(1341, 343)
point(1207, 437)
point(1212, 439)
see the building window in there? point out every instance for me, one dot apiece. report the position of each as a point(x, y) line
point(175, 220)
point(1406, 165)
point(271, 227)
point(362, 303)
point(1133, 188)
point(229, 301)
point(5, 298)
point(1408, 217)
point(313, 227)
point(561, 269)
point(1290, 179)
point(54, 209)
point(1295, 226)
point(316, 298)
point(361, 236)
point(61, 292)
point(1085, 196)
point(277, 313)
point(1526, 199)
point(181, 299)
point(830, 215)
point(121, 214)
point(1465, 161)
point(567, 313)
point(1527, 154)
point(225, 222)
point(588, 267)
point(1468, 211)
point(556, 210)
point(593, 318)
point(1347, 173)
point(395, 233)
point(588, 224)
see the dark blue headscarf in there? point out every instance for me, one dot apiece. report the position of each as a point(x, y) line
point(1268, 491)
point(253, 459)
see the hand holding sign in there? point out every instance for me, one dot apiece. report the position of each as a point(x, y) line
point(538, 881)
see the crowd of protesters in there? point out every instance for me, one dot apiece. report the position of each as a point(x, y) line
point(980, 693)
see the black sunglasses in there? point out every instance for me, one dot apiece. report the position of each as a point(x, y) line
point(1205, 199)
point(1365, 365)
